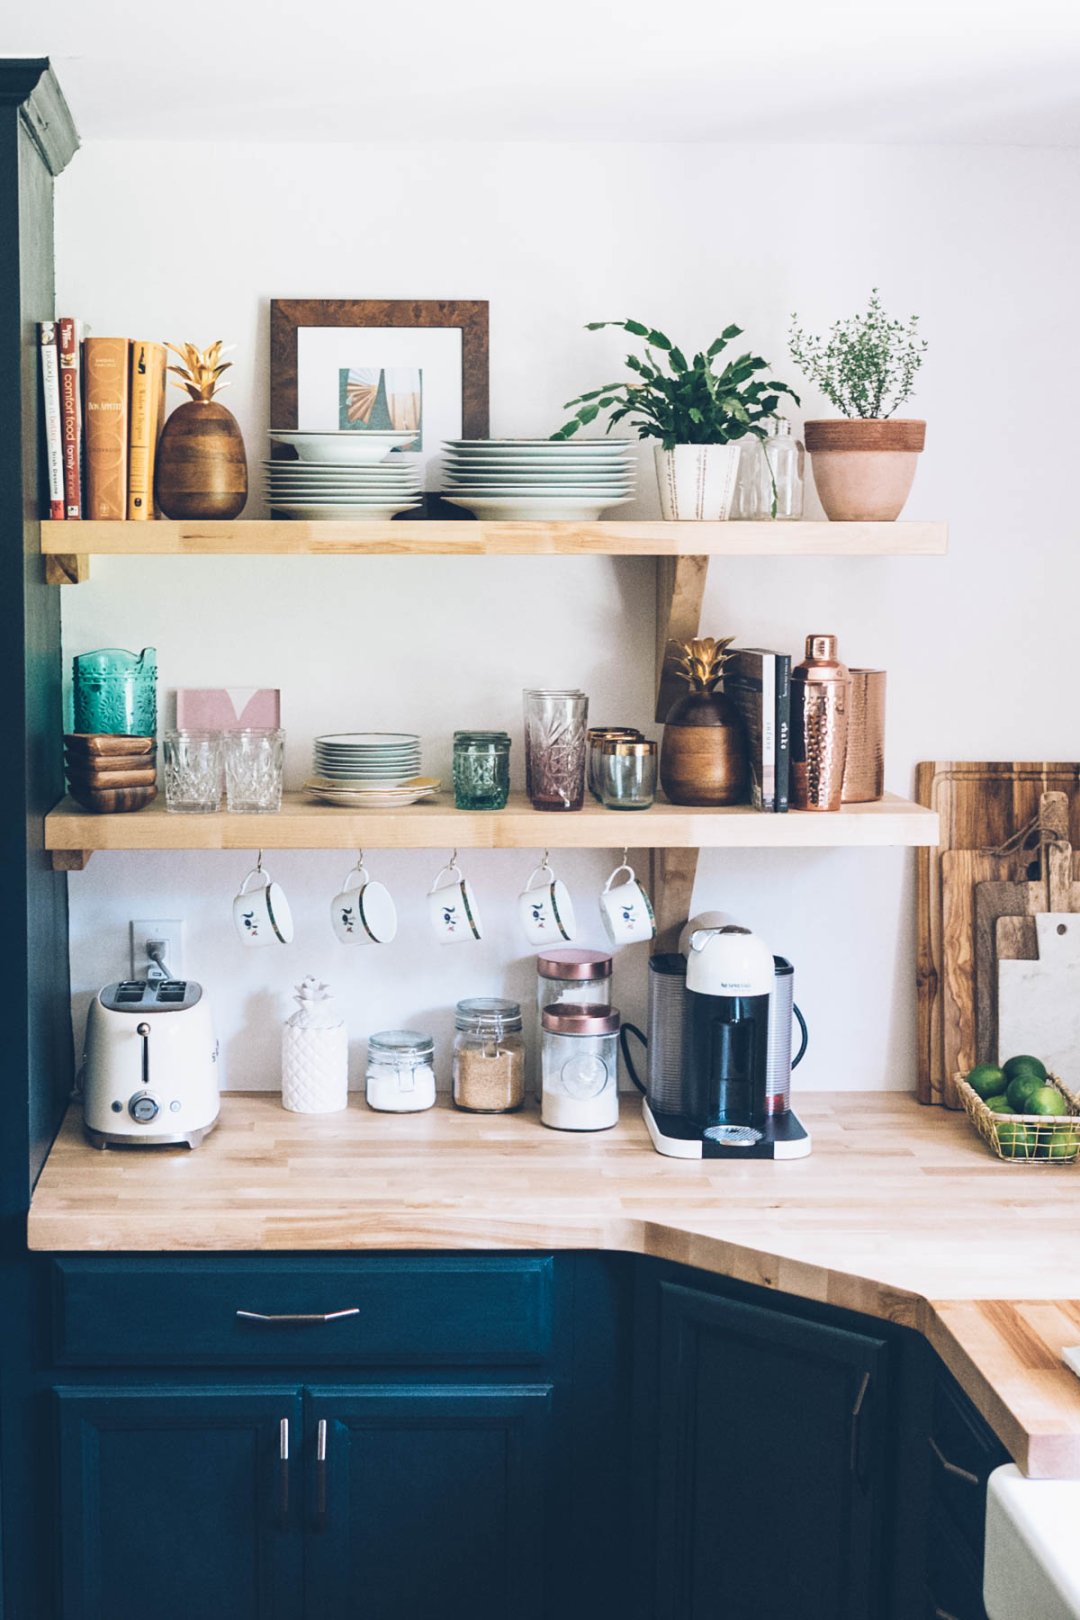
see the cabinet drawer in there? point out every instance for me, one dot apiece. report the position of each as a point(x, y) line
point(953, 1579)
point(963, 1454)
point(427, 1311)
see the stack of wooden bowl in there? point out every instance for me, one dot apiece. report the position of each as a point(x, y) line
point(109, 774)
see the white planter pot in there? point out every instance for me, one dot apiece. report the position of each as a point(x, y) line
point(697, 481)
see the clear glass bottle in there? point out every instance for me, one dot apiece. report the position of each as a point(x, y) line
point(489, 1055)
point(400, 1071)
point(579, 1064)
point(782, 472)
point(481, 770)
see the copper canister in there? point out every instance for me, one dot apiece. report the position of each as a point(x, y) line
point(864, 769)
point(820, 705)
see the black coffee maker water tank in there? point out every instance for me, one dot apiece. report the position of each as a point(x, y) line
point(729, 980)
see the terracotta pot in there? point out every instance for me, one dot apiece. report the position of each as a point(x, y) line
point(697, 481)
point(201, 469)
point(864, 469)
point(703, 758)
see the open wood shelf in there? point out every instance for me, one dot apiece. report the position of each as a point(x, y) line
point(72, 833)
point(266, 537)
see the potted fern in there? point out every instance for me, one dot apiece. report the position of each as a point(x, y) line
point(864, 464)
point(700, 415)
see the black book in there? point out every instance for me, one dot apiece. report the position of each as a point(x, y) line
point(759, 683)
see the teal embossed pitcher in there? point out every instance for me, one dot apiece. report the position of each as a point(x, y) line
point(115, 692)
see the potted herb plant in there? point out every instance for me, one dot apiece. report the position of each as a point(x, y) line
point(700, 415)
point(865, 463)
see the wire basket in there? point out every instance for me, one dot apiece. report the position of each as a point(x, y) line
point(1026, 1138)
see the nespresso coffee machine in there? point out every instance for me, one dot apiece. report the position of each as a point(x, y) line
point(719, 1048)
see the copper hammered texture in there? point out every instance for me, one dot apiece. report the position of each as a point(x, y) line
point(820, 745)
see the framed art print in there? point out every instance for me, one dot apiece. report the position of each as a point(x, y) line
point(375, 365)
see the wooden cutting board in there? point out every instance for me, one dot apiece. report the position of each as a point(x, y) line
point(962, 870)
point(980, 805)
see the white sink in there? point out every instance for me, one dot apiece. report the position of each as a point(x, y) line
point(1032, 1569)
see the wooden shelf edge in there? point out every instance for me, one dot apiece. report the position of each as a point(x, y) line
point(891, 823)
point(267, 537)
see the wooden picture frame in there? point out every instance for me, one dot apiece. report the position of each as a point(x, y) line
point(289, 315)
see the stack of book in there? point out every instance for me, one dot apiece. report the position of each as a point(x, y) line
point(104, 411)
point(759, 683)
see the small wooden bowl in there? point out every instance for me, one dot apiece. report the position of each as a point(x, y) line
point(99, 744)
point(112, 801)
point(96, 780)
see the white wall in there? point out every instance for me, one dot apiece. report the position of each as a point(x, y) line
point(191, 241)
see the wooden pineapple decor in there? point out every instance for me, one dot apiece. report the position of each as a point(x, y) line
point(703, 759)
point(201, 469)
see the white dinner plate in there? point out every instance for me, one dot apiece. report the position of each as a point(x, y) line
point(342, 513)
point(536, 509)
point(345, 445)
point(599, 445)
point(368, 739)
point(589, 492)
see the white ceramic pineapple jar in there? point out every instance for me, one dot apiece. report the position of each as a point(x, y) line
point(314, 1054)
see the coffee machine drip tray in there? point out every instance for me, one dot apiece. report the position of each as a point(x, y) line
point(783, 1136)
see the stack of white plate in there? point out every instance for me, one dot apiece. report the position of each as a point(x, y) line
point(379, 769)
point(540, 479)
point(344, 475)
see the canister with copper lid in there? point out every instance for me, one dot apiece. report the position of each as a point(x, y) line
point(579, 1061)
point(573, 974)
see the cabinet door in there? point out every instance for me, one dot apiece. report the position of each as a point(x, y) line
point(771, 1464)
point(427, 1501)
point(173, 1504)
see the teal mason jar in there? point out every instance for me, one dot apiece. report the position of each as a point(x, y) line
point(481, 770)
point(115, 692)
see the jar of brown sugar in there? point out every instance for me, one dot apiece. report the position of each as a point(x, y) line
point(489, 1055)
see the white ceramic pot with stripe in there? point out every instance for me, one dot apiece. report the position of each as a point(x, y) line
point(697, 481)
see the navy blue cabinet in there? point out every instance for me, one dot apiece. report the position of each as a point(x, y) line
point(173, 1503)
point(428, 1501)
point(771, 1464)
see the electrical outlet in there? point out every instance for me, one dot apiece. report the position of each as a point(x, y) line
point(170, 936)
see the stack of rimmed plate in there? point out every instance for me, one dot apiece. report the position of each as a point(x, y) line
point(541, 479)
point(343, 475)
point(376, 769)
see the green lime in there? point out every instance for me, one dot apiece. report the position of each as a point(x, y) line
point(1024, 1064)
point(1064, 1144)
point(1021, 1090)
point(1047, 1100)
point(1000, 1105)
point(1016, 1141)
point(987, 1080)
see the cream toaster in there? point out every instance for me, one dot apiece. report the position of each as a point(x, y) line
point(150, 1073)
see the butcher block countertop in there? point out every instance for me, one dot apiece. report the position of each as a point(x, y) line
point(900, 1212)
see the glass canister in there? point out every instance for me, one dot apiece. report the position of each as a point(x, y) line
point(627, 774)
point(595, 738)
point(555, 721)
point(579, 1064)
point(489, 1055)
point(115, 692)
point(572, 974)
point(481, 770)
point(400, 1075)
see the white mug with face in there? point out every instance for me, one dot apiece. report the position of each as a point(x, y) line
point(546, 911)
point(364, 910)
point(261, 914)
point(626, 910)
point(452, 907)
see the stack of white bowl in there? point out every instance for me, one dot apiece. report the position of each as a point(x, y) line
point(343, 475)
point(540, 479)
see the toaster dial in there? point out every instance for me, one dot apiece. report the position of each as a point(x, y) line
point(143, 1108)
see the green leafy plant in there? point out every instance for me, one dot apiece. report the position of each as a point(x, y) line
point(681, 402)
point(866, 366)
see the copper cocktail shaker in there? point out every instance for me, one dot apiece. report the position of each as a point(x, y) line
point(820, 705)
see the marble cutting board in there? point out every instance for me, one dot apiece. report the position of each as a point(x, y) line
point(1039, 999)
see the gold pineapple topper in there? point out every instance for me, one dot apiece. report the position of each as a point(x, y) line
point(701, 661)
point(202, 369)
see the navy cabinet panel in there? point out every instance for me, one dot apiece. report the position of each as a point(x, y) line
point(771, 1464)
point(432, 1505)
point(171, 1505)
point(428, 1311)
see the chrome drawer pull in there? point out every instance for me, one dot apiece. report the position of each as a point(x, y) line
point(952, 1468)
point(297, 1318)
point(283, 1470)
point(944, 1614)
point(320, 1475)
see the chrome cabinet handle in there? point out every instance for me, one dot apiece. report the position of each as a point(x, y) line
point(950, 1467)
point(283, 1470)
point(320, 1475)
point(297, 1318)
point(944, 1614)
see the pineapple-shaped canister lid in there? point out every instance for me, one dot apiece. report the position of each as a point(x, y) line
point(700, 662)
point(316, 1009)
point(201, 373)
